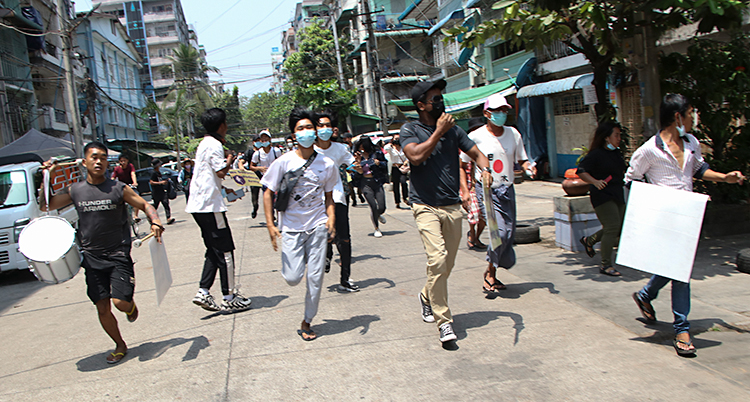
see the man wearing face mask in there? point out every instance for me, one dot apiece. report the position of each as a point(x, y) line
point(672, 158)
point(342, 158)
point(431, 145)
point(505, 146)
point(262, 159)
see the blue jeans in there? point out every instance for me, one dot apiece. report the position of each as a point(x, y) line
point(680, 299)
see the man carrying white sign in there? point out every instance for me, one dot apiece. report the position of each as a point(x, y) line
point(672, 158)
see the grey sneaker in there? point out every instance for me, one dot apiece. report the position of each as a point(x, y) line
point(381, 219)
point(238, 303)
point(206, 301)
point(348, 286)
point(426, 310)
point(446, 333)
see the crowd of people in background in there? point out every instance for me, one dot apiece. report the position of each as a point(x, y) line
point(438, 171)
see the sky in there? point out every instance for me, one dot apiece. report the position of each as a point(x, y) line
point(238, 36)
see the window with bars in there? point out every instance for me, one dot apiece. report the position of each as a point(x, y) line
point(445, 53)
point(570, 104)
point(112, 68)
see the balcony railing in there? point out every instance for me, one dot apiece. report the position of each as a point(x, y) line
point(557, 50)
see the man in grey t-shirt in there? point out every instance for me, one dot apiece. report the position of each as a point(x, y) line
point(431, 145)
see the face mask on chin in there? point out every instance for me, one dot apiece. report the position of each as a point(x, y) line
point(610, 147)
point(306, 138)
point(325, 133)
point(681, 128)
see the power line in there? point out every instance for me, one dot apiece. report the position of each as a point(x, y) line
point(220, 15)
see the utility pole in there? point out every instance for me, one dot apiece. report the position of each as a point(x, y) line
point(75, 120)
point(375, 67)
point(342, 84)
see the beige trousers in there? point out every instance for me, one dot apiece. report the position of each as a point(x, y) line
point(440, 229)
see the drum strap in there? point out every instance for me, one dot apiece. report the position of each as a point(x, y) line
point(45, 184)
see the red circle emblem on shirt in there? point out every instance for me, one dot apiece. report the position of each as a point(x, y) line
point(498, 166)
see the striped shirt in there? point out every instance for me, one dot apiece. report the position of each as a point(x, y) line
point(654, 163)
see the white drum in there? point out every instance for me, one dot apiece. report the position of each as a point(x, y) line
point(49, 244)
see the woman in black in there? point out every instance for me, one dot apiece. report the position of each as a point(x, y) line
point(371, 163)
point(604, 168)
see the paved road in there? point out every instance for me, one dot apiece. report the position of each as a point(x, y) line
point(560, 331)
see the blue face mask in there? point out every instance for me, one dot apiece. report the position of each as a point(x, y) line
point(306, 138)
point(498, 118)
point(325, 133)
point(610, 147)
point(264, 144)
point(256, 144)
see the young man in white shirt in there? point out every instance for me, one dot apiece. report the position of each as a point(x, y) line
point(672, 158)
point(340, 155)
point(262, 159)
point(503, 147)
point(206, 204)
point(308, 220)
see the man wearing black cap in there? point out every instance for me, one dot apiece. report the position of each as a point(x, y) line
point(431, 145)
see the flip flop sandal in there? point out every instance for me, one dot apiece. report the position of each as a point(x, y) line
point(133, 314)
point(489, 288)
point(308, 332)
point(499, 285)
point(683, 352)
point(589, 249)
point(609, 271)
point(647, 310)
point(116, 357)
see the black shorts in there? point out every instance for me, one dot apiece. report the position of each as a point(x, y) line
point(109, 277)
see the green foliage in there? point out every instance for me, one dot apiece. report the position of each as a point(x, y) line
point(313, 72)
point(237, 135)
point(267, 110)
point(596, 29)
point(191, 74)
point(715, 76)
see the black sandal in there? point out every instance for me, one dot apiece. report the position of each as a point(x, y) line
point(647, 310)
point(609, 271)
point(683, 352)
point(589, 249)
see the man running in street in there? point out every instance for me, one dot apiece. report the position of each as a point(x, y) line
point(104, 238)
point(206, 204)
point(159, 190)
point(262, 159)
point(431, 144)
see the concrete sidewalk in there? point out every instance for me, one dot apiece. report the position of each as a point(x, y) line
point(560, 331)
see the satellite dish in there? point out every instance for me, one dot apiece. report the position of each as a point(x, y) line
point(465, 55)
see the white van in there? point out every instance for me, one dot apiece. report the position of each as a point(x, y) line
point(19, 184)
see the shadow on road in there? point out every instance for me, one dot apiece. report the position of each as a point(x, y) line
point(16, 285)
point(362, 257)
point(333, 327)
point(516, 290)
point(145, 352)
point(366, 284)
point(477, 319)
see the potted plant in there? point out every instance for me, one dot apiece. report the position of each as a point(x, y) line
point(574, 185)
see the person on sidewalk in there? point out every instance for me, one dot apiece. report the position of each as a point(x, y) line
point(104, 238)
point(185, 177)
point(672, 158)
point(159, 190)
point(309, 220)
point(431, 144)
point(371, 164)
point(474, 217)
point(505, 145)
point(603, 168)
point(125, 172)
point(399, 171)
point(206, 204)
point(261, 160)
point(340, 155)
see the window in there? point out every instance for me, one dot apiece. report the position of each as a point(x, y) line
point(167, 75)
point(505, 49)
point(131, 79)
point(13, 188)
point(112, 73)
point(123, 79)
point(570, 104)
point(113, 26)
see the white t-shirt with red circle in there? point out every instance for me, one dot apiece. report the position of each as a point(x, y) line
point(506, 150)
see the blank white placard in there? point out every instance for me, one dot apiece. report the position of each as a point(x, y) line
point(661, 230)
point(162, 273)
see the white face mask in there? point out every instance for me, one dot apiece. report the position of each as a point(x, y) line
point(610, 147)
point(681, 128)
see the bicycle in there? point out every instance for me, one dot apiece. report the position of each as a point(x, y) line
point(134, 223)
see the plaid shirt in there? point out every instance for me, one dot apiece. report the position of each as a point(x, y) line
point(655, 163)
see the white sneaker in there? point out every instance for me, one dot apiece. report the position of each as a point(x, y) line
point(238, 303)
point(206, 301)
point(378, 233)
point(446, 333)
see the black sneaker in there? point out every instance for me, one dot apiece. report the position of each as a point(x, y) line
point(348, 286)
point(206, 301)
point(426, 310)
point(170, 221)
point(238, 303)
point(328, 265)
point(254, 214)
point(446, 333)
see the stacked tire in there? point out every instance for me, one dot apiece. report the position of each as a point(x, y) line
point(743, 261)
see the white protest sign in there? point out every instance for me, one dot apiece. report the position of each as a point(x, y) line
point(162, 273)
point(661, 230)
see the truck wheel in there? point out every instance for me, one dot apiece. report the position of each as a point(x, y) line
point(743, 261)
point(526, 234)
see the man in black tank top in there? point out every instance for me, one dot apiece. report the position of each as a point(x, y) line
point(104, 237)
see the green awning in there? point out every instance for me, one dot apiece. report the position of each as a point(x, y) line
point(366, 116)
point(464, 100)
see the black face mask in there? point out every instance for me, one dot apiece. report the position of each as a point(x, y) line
point(437, 110)
point(396, 142)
